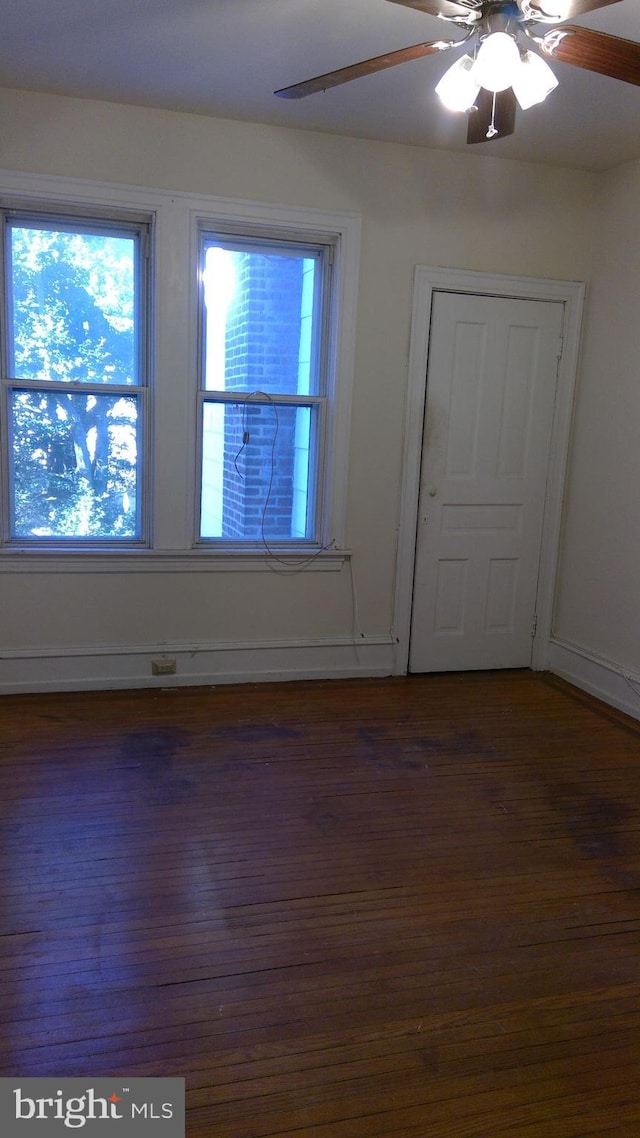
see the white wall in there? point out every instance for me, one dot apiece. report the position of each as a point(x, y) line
point(597, 619)
point(417, 207)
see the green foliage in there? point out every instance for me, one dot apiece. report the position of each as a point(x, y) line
point(74, 451)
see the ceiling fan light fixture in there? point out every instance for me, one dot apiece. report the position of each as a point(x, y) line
point(533, 81)
point(457, 90)
point(497, 62)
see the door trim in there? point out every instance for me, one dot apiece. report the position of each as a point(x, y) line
point(427, 281)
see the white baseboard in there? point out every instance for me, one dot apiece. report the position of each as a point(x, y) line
point(602, 678)
point(108, 666)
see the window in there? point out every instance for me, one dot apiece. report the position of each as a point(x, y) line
point(74, 380)
point(263, 400)
point(175, 379)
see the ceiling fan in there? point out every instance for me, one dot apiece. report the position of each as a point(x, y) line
point(502, 71)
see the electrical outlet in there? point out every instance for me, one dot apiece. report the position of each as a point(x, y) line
point(163, 667)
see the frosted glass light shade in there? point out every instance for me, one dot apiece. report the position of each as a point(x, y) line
point(457, 89)
point(533, 80)
point(497, 62)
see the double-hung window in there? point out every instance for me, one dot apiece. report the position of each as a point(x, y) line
point(74, 380)
point(264, 406)
point(247, 437)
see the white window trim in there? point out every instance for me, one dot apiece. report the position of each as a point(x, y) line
point(122, 222)
point(174, 364)
point(321, 399)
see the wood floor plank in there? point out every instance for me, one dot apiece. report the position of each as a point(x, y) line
point(403, 908)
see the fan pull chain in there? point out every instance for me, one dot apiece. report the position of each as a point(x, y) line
point(492, 130)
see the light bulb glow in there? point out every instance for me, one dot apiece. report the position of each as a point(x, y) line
point(533, 81)
point(497, 62)
point(458, 89)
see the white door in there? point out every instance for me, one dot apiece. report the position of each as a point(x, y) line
point(491, 386)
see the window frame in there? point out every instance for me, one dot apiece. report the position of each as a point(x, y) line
point(276, 240)
point(173, 217)
point(55, 218)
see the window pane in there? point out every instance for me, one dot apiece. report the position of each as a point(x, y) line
point(72, 305)
point(260, 321)
point(74, 465)
point(256, 462)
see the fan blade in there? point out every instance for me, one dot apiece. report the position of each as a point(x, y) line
point(565, 9)
point(595, 51)
point(367, 67)
point(441, 7)
point(484, 118)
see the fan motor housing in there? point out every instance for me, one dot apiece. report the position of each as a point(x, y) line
point(500, 17)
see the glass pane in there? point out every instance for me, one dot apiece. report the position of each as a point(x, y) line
point(256, 462)
point(74, 465)
point(72, 304)
point(260, 321)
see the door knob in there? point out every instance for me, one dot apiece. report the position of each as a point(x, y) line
point(432, 491)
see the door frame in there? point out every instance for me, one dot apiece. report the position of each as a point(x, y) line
point(428, 280)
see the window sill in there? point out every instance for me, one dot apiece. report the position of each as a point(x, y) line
point(169, 561)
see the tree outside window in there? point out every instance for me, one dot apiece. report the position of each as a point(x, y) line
point(73, 380)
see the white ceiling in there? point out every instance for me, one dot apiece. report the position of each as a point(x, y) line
point(226, 57)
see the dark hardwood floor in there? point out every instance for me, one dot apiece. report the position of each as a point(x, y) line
point(402, 908)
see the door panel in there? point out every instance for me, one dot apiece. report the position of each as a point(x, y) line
point(491, 383)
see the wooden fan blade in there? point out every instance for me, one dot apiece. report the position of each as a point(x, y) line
point(441, 7)
point(367, 67)
point(566, 9)
point(481, 119)
point(594, 51)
